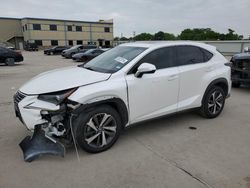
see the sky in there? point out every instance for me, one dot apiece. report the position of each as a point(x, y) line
point(139, 16)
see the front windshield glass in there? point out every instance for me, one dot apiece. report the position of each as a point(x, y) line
point(114, 59)
point(74, 47)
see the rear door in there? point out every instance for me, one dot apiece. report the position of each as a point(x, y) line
point(195, 72)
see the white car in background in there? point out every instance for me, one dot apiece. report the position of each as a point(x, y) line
point(90, 104)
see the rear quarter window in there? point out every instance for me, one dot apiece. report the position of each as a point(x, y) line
point(187, 55)
point(207, 55)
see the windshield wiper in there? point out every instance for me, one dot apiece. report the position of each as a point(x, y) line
point(89, 68)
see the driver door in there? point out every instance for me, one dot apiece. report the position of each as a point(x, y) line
point(154, 94)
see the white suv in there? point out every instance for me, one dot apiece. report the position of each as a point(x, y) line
point(130, 83)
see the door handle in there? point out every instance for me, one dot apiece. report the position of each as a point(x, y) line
point(172, 77)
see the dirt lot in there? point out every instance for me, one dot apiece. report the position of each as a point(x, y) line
point(159, 153)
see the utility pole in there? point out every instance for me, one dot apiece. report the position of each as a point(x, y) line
point(134, 35)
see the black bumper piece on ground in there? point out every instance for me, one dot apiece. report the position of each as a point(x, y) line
point(39, 144)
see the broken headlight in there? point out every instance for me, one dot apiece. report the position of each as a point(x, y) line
point(56, 97)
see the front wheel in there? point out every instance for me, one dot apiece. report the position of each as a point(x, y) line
point(10, 61)
point(213, 102)
point(98, 129)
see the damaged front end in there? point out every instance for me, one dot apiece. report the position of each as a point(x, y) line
point(47, 115)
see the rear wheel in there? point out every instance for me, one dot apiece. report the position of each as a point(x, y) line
point(213, 102)
point(98, 129)
point(10, 61)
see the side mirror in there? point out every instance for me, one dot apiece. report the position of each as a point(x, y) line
point(145, 68)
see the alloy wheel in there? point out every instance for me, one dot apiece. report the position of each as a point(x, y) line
point(215, 102)
point(100, 130)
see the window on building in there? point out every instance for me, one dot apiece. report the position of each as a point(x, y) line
point(39, 42)
point(106, 29)
point(70, 42)
point(91, 43)
point(107, 43)
point(78, 28)
point(54, 42)
point(69, 28)
point(53, 27)
point(26, 27)
point(79, 42)
point(23, 28)
point(36, 26)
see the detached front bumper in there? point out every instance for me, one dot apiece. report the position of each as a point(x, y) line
point(39, 144)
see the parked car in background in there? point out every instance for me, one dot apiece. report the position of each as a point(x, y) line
point(11, 47)
point(240, 68)
point(90, 104)
point(55, 50)
point(31, 47)
point(9, 57)
point(75, 49)
point(87, 55)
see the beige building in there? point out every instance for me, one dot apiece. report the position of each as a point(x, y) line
point(52, 32)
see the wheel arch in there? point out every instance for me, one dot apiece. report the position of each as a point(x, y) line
point(116, 103)
point(221, 82)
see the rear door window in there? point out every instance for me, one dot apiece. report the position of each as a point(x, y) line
point(187, 55)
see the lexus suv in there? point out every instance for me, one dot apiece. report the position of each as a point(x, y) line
point(130, 83)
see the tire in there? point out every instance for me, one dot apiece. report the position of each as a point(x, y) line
point(213, 102)
point(93, 134)
point(236, 84)
point(71, 54)
point(10, 61)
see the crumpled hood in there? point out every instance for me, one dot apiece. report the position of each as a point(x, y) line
point(61, 79)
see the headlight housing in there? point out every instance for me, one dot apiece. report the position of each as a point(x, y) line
point(56, 97)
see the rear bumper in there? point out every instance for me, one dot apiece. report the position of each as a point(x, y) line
point(18, 58)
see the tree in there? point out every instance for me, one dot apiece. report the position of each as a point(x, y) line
point(123, 39)
point(159, 36)
point(169, 36)
point(143, 36)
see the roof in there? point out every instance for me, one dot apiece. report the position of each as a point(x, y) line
point(157, 44)
point(48, 19)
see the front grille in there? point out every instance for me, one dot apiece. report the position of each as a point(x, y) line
point(18, 97)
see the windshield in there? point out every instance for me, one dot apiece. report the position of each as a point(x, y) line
point(89, 51)
point(74, 47)
point(114, 59)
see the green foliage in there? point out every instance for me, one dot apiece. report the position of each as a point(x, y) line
point(143, 36)
point(208, 34)
point(190, 34)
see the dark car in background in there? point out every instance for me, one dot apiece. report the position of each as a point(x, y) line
point(240, 69)
point(31, 47)
point(76, 49)
point(9, 57)
point(88, 55)
point(55, 50)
